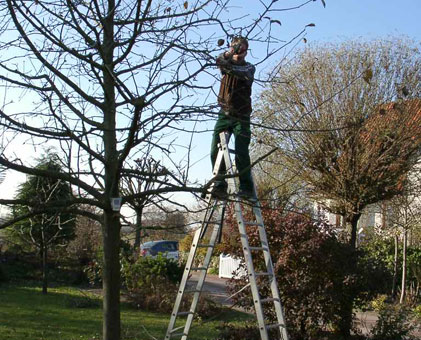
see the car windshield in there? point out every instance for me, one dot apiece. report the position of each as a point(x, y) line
point(165, 246)
point(161, 246)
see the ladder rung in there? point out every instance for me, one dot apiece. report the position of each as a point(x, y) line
point(205, 246)
point(179, 334)
point(231, 151)
point(198, 268)
point(184, 313)
point(211, 222)
point(191, 291)
point(255, 224)
point(276, 325)
point(177, 328)
point(263, 274)
point(259, 248)
point(269, 300)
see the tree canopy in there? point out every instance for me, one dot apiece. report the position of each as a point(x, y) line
point(346, 120)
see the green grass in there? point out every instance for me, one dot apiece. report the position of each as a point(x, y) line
point(69, 314)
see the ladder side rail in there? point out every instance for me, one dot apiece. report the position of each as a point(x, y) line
point(270, 269)
point(224, 140)
point(245, 244)
point(198, 235)
point(183, 284)
point(251, 272)
point(263, 239)
point(218, 161)
point(202, 278)
point(215, 172)
point(208, 216)
point(279, 310)
point(186, 274)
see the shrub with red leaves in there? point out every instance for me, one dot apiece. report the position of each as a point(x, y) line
point(313, 268)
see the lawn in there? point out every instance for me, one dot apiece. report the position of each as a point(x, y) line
point(67, 313)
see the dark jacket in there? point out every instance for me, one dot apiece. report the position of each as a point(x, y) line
point(235, 92)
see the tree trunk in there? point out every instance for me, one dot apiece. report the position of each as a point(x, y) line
point(111, 227)
point(43, 255)
point(111, 276)
point(403, 284)
point(44, 270)
point(395, 268)
point(345, 325)
point(354, 218)
point(139, 213)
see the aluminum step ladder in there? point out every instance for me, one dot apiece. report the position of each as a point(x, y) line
point(214, 216)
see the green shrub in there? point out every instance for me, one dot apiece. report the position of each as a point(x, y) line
point(3, 275)
point(417, 312)
point(394, 323)
point(214, 265)
point(93, 271)
point(247, 332)
point(379, 303)
point(230, 332)
point(152, 282)
point(18, 267)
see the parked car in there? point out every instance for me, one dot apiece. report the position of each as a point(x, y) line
point(168, 249)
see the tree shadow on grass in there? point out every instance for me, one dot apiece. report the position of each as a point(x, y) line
point(25, 313)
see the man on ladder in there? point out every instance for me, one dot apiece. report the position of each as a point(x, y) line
point(234, 117)
point(235, 101)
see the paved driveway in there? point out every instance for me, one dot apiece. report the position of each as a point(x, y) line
point(215, 287)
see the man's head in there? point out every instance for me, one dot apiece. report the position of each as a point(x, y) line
point(239, 46)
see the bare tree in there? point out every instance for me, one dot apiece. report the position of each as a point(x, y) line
point(49, 229)
point(346, 118)
point(106, 81)
point(404, 215)
point(144, 180)
point(87, 241)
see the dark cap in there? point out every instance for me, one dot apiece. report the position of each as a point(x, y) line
point(237, 40)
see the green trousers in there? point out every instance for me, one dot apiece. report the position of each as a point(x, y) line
point(240, 128)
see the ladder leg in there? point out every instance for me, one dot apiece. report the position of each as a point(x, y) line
point(220, 158)
point(264, 246)
point(201, 280)
point(182, 286)
point(224, 156)
point(171, 330)
point(270, 269)
point(251, 272)
point(208, 217)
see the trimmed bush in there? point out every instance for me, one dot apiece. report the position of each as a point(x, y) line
point(3, 275)
point(314, 269)
point(417, 312)
point(151, 282)
point(394, 323)
point(231, 332)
